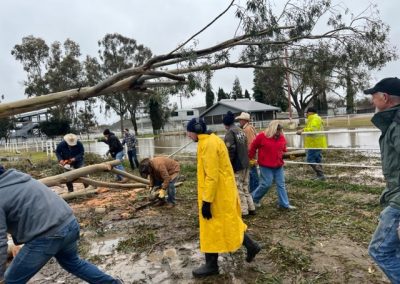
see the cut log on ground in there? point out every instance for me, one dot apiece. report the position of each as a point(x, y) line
point(109, 184)
point(85, 193)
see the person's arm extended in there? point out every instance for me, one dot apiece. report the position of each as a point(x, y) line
point(164, 175)
point(395, 137)
point(81, 152)
point(253, 147)
point(211, 169)
point(58, 152)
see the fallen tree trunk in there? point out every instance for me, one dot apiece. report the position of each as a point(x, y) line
point(128, 175)
point(75, 174)
point(109, 184)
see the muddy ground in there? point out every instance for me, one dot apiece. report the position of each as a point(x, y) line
point(324, 241)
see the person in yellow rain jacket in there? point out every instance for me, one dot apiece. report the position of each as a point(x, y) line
point(314, 142)
point(221, 227)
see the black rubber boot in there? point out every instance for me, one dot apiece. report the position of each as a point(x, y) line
point(320, 173)
point(252, 248)
point(318, 170)
point(209, 268)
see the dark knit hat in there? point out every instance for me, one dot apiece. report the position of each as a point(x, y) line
point(197, 125)
point(311, 109)
point(106, 132)
point(229, 118)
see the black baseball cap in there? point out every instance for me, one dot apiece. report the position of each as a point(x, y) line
point(390, 86)
point(311, 109)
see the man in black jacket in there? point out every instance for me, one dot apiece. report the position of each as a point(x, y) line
point(116, 151)
point(236, 142)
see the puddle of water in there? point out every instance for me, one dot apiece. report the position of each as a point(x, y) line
point(104, 247)
point(167, 266)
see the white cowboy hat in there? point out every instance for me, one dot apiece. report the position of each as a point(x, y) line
point(71, 139)
point(244, 116)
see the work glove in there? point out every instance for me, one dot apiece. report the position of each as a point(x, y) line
point(253, 162)
point(206, 210)
point(161, 193)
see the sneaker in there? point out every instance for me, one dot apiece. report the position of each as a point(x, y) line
point(321, 178)
point(290, 207)
point(257, 205)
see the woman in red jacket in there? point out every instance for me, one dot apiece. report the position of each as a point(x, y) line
point(270, 144)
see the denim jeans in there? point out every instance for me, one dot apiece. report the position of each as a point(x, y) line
point(75, 165)
point(253, 182)
point(267, 176)
point(171, 190)
point(120, 156)
point(63, 246)
point(133, 161)
point(314, 156)
point(385, 244)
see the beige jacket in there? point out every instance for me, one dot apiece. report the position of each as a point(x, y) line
point(250, 132)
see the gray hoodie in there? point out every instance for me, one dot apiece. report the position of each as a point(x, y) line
point(28, 210)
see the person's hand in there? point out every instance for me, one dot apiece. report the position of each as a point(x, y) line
point(62, 162)
point(161, 193)
point(108, 153)
point(72, 160)
point(206, 210)
point(2, 281)
point(253, 162)
point(298, 132)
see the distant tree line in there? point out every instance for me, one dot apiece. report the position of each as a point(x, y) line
point(280, 46)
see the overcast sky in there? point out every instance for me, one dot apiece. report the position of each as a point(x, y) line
point(160, 25)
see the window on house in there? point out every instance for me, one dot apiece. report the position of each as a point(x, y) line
point(190, 112)
point(174, 113)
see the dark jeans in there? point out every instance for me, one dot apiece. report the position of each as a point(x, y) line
point(75, 165)
point(64, 247)
point(254, 179)
point(133, 161)
point(171, 190)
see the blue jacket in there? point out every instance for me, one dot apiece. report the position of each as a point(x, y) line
point(65, 152)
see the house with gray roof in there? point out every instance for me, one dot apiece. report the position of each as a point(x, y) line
point(258, 111)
